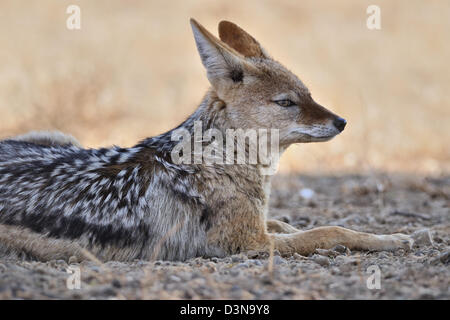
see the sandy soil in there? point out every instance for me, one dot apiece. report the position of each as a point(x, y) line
point(377, 203)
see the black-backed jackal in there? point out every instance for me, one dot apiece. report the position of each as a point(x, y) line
point(59, 200)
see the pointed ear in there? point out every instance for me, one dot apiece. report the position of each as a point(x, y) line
point(240, 40)
point(224, 65)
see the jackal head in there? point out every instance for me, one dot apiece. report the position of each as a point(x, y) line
point(258, 91)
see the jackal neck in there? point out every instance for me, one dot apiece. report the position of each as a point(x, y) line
point(224, 144)
point(210, 114)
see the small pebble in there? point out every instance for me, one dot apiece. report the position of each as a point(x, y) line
point(253, 254)
point(95, 269)
point(277, 260)
point(266, 279)
point(116, 284)
point(335, 271)
point(299, 257)
point(445, 257)
point(283, 218)
point(307, 193)
point(235, 272)
point(383, 255)
point(321, 260)
point(235, 287)
point(73, 259)
point(243, 265)
point(255, 262)
point(341, 249)
point(174, 278)
point(422, 238)
point(238, 258)
point(327, 253)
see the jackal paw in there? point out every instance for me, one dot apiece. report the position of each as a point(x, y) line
point(398, 241)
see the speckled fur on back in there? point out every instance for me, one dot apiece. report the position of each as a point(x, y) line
point(59, 200)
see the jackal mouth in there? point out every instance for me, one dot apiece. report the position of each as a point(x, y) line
point(313, 133)
point(307, 138)
point(310, 138)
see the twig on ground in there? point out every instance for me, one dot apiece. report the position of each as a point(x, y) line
point(410, 215)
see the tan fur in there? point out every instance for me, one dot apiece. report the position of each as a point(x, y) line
point(240, 40)
point(276, 226)
point(23, 243)
point(48, 138)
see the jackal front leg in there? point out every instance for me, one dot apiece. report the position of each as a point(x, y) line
point(306, 242)
point(277, 226)
point(18, 242)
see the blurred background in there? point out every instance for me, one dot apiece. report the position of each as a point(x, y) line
point(133, 71)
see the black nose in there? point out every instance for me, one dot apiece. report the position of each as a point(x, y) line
point(339, 123)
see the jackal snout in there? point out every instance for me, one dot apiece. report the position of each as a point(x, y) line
point(320, 115)
point(315, 115)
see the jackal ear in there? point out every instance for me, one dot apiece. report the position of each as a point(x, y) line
point(241, 41)
point(223, 64)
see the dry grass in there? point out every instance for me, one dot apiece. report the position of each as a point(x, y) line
point(133, 71)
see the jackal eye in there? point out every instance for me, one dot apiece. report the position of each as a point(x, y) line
point(285, 103)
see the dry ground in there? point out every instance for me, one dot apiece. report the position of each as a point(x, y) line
point(375, 203)
point(133, 71)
